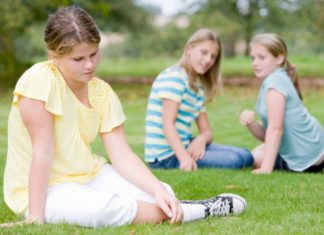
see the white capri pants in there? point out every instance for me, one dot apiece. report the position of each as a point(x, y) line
point(106, 200)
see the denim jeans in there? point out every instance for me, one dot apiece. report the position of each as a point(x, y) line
point(216, 156)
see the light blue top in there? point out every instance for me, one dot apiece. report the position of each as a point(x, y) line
point(171, 84)
point(302, 142)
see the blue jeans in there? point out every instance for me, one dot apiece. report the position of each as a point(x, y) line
point(216, 156)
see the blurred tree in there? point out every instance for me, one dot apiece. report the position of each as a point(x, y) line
point(12, 20)
point(240, 19)
point(17, 16)
point(233, 19)
point(227, 28)
point(306, 31)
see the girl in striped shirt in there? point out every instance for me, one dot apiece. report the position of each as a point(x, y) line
point(178, 99)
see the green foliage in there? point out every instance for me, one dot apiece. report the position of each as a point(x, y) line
point(235, 24)
point(167, 42)
point(17, 16)
point(20, 19)
point(117, 15)
point(299, 22)
point(280, 203)
point(10, 19)
point(285, 17)
point(33, 37)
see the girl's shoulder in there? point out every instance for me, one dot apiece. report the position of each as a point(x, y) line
point(39, 70)
point(40, 76)
point(99, 87)
point(278, 76)
point(100, 91)
point(43, 82)
point(280, 81)
point(174, 69)
point(174, 72)
point(106, 102)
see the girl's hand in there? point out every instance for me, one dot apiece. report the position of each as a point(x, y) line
point(188, 164)
point(197, 148)
point(247, 117)
point(170, 205)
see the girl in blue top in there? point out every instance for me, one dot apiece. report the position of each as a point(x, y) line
point(177, 100)
point(293, 139)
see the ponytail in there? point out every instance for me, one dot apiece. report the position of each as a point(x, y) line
point(291, 70)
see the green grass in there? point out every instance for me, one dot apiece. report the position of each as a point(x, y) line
point(280, 203)
point(128, 67)
point(307, 66)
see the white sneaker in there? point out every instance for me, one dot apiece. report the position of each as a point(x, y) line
point(222, 205)
point(227, 204)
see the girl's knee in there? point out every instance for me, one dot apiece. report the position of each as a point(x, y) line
point(248, 158)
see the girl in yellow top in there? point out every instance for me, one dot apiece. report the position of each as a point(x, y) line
point(51, 173)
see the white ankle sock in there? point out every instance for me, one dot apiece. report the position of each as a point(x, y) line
point(193, 212)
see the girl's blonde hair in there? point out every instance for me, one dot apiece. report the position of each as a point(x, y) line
point(276, 46)
point(68, 27)
point(211, 79)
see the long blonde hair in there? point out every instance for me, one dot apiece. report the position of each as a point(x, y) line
point(276, 46)
point(211, 79)
point(68, 27)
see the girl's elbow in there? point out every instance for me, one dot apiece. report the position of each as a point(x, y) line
point(166, 126)
point(209, 137)
point(276, 130)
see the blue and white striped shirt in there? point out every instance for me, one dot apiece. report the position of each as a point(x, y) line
point(172, 84)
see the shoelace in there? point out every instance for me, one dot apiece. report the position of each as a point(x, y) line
point(221, 207)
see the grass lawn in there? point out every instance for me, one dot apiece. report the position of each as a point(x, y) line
point(280, 203)
point(307, 66)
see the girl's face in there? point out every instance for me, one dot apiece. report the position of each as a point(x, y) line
point(202, 56)
point(79, 66)
point(263, 62)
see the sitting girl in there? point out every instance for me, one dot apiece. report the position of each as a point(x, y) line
point(51, 173)
point(293, 139)
point(178, 98)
